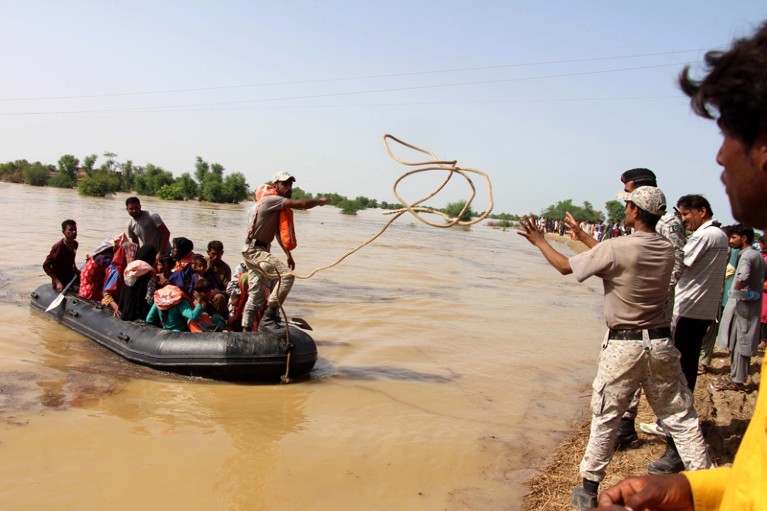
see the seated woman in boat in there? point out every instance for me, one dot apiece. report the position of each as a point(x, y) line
point(172, 309)
point(94, 271)
point(137, 295)
point(183, 271)
point(182, 252)
point(113, 280)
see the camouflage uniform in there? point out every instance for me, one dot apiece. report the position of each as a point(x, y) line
point(624, 365)
point(638, 350)
point(670, 227)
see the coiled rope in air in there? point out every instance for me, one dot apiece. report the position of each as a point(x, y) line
point(416, 209)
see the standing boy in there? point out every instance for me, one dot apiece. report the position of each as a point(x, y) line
point(60, 263)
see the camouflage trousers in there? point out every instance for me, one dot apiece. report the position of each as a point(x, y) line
point(258, 261)
point(653, 365)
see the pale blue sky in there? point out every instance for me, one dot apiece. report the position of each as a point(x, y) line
point(524, 91)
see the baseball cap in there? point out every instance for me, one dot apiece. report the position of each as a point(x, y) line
point(640, 176)
point(283, 176)
point(648, 198)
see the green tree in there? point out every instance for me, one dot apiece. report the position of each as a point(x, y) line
point(37, 174)
point(201, 169)
point(349, 207)
point(453, 209)
point(171, 192)
point(616, 211)
point(68, 165)
point(99, 184)
point(13, 171)
point(110, 162)
point(187, 186)
point(583, 213)
point(235, 188)
point(298, 193)
point(152, 179)
point(212, 189)
point(127, 175)
point(89, 163)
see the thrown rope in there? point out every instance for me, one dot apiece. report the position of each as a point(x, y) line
point(415, 209)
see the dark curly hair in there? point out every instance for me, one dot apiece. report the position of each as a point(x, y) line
point(735, 88)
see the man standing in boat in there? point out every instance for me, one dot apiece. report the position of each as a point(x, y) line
point(638, 349)
point(147, 228)
point(271, 217)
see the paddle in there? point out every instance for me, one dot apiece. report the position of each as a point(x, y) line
point(300, 323)
point(59, 299)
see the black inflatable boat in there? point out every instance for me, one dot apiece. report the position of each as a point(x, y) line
point(254, 356)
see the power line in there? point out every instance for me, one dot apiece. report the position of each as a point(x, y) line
point(362, 105)
point(362, 77)
point(340, 94)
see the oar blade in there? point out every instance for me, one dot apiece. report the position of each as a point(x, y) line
point(55, 303)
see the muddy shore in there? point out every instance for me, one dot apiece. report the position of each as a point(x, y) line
point(724, 417)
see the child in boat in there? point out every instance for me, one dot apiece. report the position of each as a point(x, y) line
point(210, 320)
point(219, 274)
point(172, 309)
point(184, 274)
point(165, 264)
point(60, 263)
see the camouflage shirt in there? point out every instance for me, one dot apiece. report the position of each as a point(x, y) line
point(670, 227)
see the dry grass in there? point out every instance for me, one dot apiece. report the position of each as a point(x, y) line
point(724, 417)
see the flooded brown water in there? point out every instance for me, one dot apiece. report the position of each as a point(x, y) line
point(450, 363)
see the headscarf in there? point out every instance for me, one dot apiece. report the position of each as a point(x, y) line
point(139, 284)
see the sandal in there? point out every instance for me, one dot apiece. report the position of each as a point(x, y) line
point(728, 384)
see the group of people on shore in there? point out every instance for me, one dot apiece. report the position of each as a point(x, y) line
point(142, 274)
point(662, 295)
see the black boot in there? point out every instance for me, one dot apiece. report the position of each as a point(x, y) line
point(585, 497)
point(626, 438)
point(669, 463)
point(270, 321)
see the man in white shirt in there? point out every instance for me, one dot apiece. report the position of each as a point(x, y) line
point(696, 301)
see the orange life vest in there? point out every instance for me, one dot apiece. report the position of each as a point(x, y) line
point(287, 227)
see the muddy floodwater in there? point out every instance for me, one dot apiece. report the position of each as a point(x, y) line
point(450, 363)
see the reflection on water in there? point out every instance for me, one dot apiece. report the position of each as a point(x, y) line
point(450, 361)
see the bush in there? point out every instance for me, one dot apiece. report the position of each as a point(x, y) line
point(349, 207)
point(171, 192)
point(61, 180)
point(453, 209)
point(99, 184)
point(37, 174)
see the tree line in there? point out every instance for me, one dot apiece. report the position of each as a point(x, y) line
point(209, 182)
point(616, 212)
